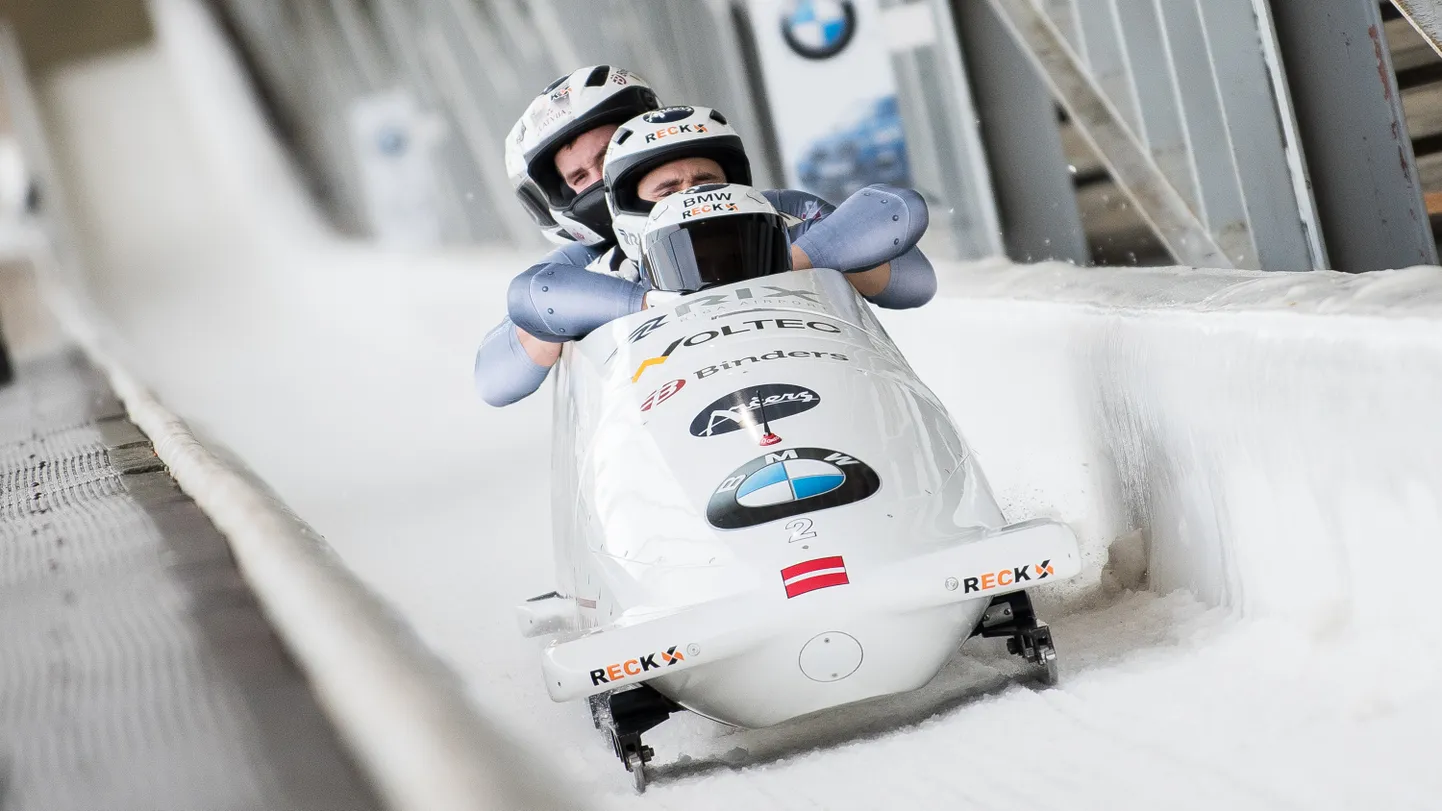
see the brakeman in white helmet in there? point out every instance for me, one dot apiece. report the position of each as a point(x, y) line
point(553, 160)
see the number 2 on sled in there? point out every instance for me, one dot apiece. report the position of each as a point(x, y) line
point(800, 530)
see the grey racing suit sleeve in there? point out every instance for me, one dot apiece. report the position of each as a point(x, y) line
point(572, 253)
point(559, 303)
point(504, 372)
point(912, 282)
point(871, 227)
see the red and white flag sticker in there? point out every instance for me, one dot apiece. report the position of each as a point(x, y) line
point(811, 575)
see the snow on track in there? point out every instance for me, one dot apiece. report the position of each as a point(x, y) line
point(341, 375)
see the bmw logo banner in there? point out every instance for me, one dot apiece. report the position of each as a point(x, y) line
point(817, 29)
point(829, 81)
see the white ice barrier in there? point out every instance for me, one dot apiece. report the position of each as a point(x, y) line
point(1276, 438)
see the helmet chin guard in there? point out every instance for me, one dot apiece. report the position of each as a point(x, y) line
point(713, 235)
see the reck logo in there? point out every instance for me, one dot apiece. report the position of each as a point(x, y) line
point(708, 208)
point(675, 129)
point(635, 667)
point(1008, 577)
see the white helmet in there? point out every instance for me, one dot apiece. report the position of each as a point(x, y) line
point(714, 234)
point(658, 137)
point(570, 106)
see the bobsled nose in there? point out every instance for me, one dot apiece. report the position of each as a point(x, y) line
point(806, 670)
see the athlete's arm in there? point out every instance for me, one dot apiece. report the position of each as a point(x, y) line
point(870, 228)
point(559, 303)
point(906, 279)
point(506, 369)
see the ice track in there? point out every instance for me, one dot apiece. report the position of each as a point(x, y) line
point(341, 375)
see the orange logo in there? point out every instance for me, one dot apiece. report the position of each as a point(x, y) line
point(635, 667)
point(1008, 577)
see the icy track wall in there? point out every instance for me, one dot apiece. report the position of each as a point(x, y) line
point(1272, 442)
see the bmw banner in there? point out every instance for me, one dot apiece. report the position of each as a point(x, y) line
point(832, 93)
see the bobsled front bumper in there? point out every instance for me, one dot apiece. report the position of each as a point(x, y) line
point(924, 605)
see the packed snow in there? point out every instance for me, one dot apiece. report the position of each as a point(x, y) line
point(1210, 656)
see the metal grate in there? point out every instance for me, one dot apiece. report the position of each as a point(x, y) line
point(136, 669)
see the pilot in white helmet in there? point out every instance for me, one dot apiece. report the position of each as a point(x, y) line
point(713, 235)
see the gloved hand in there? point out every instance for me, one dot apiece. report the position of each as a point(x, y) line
point(871, 227)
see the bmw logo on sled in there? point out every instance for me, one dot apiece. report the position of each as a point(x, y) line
point(759, 512)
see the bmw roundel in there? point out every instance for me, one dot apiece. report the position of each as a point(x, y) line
point(666, 115)
point(819, 29)
point(786, 483)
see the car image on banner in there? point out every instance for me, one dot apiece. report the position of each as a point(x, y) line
point(872, 150)
point(832, 92)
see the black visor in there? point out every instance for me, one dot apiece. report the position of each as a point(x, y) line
point(691, 256)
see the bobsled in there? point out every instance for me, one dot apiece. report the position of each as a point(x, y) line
point(760, 512)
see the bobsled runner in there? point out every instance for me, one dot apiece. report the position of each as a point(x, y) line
point(759, 512)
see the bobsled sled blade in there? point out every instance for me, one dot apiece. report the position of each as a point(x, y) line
point(546, 614)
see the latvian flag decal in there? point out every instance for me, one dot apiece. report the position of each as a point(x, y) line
point(811, 575)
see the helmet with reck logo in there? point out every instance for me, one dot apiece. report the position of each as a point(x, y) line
point(712, 235)
point(569, 107)
point(656, 138)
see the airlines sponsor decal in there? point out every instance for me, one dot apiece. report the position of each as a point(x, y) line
point(752, 407)
point(810, 575)
point(620, 671)
point(770, 294)
point(743, 327)
point(786, 483)
point(662, 394)
point(1008, 577)
point(695, 302)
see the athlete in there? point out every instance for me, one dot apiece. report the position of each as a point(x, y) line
point(553, 159)
point(871, 237)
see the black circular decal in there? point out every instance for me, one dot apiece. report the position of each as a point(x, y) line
point(819, 29)
point(666, 115)
point(786, 483)
point(753, 406)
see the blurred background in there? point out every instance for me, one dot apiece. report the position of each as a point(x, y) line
point(1243, 133)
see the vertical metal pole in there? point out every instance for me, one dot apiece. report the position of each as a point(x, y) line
point(1034, 191)
point(7, 372)
point(1363, 172)
point(943, 133)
